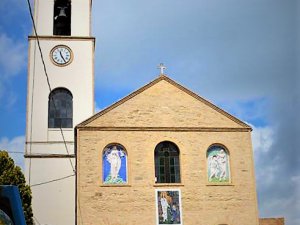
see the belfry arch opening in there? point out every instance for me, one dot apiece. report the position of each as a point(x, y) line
point(62, 17)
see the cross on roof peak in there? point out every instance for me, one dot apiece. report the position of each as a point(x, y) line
point(162, 67)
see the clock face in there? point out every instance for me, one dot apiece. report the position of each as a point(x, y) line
point(61, 55)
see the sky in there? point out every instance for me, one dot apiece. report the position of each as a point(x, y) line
point(242, 55)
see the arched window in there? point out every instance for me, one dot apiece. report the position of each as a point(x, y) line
point(60, 109)
point(114, 164)
point(167, 167)
point(62, 17)
point(218, 169)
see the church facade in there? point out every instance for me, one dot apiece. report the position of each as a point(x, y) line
point(164, 155)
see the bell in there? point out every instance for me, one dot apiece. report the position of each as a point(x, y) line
point(62, 11)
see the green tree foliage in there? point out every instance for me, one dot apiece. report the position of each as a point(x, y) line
point(12, 175)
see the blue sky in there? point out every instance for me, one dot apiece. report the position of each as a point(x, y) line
point(241, 55)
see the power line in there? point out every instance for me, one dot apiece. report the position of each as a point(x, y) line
point(51, 181)
point(63, 136)
point(38, 42)
point(31, 111)
point(14, 152)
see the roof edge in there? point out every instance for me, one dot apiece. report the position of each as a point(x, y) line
point(172, 82)
point(121, 101)
point(208, 103)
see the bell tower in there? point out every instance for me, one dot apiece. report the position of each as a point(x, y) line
point(56, 103)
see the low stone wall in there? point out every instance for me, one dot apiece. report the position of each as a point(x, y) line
point(271, 221)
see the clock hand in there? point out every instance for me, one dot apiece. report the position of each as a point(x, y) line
point(62, 57)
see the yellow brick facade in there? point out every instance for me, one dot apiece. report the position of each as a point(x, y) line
point(165, 111)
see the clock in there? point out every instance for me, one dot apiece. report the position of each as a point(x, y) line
point(61, 55)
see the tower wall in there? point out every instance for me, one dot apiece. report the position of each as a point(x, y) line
point(49, 161)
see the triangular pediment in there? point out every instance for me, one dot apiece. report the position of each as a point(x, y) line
point(163, 103)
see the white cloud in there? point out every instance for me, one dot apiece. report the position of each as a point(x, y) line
point(15, 144)
point(278, 192)
point(12, 63)
point(262, 138)
point(12, 57)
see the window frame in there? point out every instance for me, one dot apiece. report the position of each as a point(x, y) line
point(53, 108)
point(169, 152)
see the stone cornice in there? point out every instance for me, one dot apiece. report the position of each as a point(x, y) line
point(171, 129)
point(49, 142)
point(49, 156)
point(64, 38)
